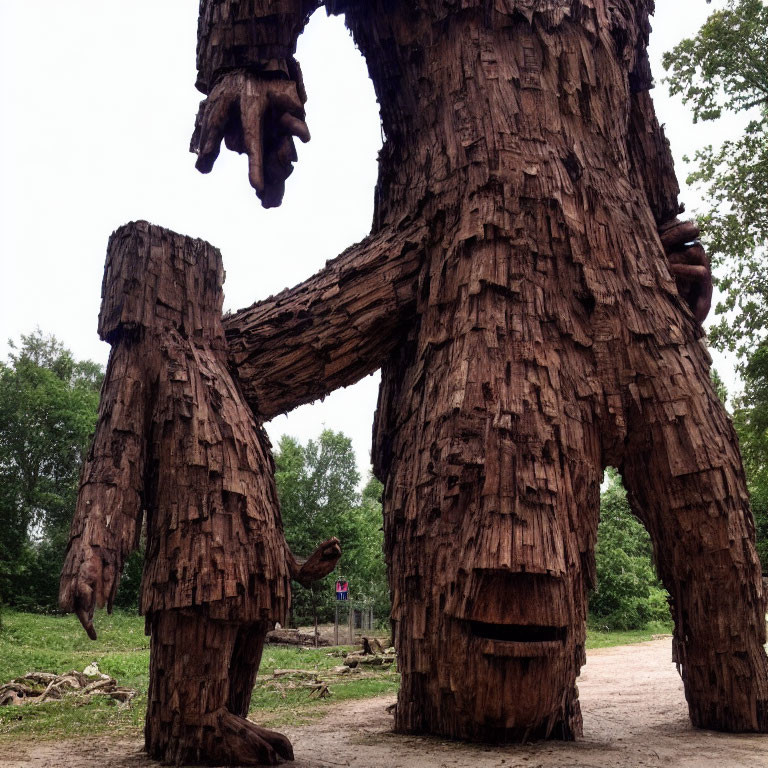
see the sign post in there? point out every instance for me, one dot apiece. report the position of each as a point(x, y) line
point(342, 593)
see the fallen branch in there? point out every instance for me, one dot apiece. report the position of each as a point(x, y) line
point(38, 687)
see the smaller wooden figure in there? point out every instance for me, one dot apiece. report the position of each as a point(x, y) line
point(177, 444)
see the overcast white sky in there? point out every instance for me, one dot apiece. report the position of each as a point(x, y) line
point(98, 104)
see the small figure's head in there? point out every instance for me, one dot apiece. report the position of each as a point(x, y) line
point(157, 279)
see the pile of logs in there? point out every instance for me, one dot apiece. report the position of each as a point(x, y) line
point(372, 654)
point(37, 687)
point(296, 637)
point(303, 678)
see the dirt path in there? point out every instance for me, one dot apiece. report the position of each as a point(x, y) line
point(634, 717)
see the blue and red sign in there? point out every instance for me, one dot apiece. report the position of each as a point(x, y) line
point(342, 590)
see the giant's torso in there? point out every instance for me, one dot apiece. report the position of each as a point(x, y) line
point(507, 125)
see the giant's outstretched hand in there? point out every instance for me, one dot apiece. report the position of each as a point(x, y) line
point(689, 265)
point(318, 565)
point(256, 116)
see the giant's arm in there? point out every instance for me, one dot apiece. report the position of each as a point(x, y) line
point(259, 35)
point(255, 91)
point(107, 523)
point(329, 331)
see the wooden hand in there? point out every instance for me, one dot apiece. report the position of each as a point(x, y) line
point(319, 564)
point(258, 117)
point(83, 592)
point(689, 264)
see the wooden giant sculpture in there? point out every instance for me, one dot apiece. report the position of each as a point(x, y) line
point(531, 330)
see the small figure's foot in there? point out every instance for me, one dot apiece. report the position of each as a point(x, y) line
point(246, 743)
point(319, 564)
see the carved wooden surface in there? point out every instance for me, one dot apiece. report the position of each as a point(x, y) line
point(515, 292)
point(177, 443)
point(548, 342)
point(330, 330)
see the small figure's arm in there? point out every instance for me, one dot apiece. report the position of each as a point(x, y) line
point(107, 523)
point(652, 157)
point(255, 91)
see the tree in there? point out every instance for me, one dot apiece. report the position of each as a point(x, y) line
point(365, 565)
point(48, 408)
point(317, 488)
point(628, 593)
point(721, 70)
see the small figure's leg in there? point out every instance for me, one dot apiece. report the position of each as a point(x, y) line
point(686, 483)
point(187, 716)
point(249, 645)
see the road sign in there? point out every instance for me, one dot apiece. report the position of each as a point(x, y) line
point(342, 590)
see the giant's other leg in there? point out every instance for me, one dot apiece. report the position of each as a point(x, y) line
point(187, 716)
point(492, 469)
point(685, 480)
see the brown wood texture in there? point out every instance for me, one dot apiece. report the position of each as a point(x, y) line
point(548, 340)
point(516, 294)
point(331, 330)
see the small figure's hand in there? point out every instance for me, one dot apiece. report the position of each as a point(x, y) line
point(85, 591)
point(258, 117)
point(689, 265)
point(319, 564)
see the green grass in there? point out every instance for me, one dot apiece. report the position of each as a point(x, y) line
point(57, 644)
point(599, 638)
point(31, 642)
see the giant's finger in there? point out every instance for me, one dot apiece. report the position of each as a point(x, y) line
point(286, 153)
point(86, 619)
point(283, 97)
point(695, 272)
point(296, 127)
point(678, 233)
point(703, 303)
point(252, 116)
point(215, 116)
point(84, 605)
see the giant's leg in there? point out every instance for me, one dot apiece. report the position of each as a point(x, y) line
point(187, 716)
point(685, 481)
point(492, 469)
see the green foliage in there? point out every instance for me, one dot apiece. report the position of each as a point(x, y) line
point(750, 415)
point(48, 408)
point(365, 562)
point(724, 69)
point(317, 486)
point(628, 594)
point(720, 389)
